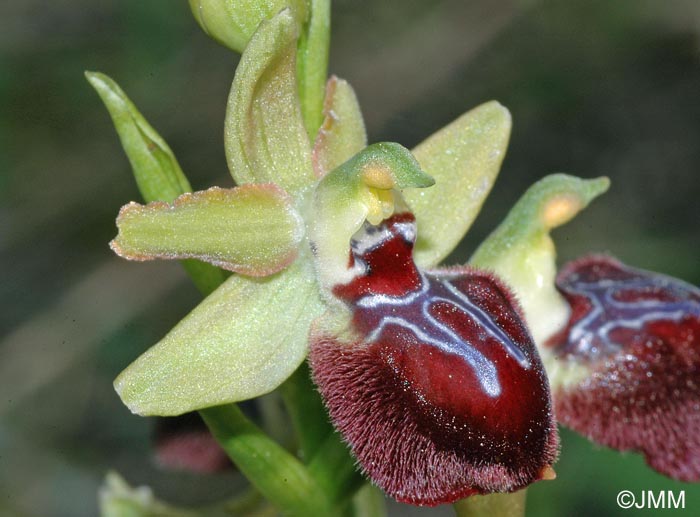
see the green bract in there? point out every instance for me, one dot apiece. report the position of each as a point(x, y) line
point(156, 170)
point(157, 173)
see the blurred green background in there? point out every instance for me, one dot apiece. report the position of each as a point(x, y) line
point(595, 87)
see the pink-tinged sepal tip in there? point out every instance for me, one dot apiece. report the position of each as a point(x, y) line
point(435, 384)
point(635, 335)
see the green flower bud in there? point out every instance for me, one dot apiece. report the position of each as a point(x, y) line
point(233, 22)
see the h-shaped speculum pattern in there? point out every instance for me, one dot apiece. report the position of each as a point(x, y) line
point(628, 299)
point(414, 311)
point(441, 359)
point(633, 335)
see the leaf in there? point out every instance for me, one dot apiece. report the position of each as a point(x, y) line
point(251, 230)
point(464, 157)
point(264, 133)
point(342, 134)
point(233, 22)
point(241, 342)
point(522, 253)
point(155, 167)
point(312, 63)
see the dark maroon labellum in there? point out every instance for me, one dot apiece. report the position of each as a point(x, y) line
point(440, 392)
point(637, 334)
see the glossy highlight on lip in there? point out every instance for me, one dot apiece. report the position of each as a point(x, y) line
point(440, 392)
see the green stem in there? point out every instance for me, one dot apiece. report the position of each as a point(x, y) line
point(502, 505)
point(204, 276)
point(278, 475)
point(369, 502)
point(306, 410)
point(312, 64)
point(334, 469)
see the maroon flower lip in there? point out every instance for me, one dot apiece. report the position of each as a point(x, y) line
point(439, 391)
point(636, 335)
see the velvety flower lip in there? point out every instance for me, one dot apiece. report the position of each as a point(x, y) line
point(632, 344)
point(433, 379)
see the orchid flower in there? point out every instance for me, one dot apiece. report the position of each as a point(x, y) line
point(443, 381)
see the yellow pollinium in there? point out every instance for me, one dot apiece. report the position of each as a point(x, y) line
point(560, 209)
point(380, 205)
point(380, 196)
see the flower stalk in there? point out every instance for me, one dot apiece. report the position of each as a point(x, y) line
point(277, 474)
point(503, 505)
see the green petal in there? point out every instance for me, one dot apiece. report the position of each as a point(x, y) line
point(156, 170)
point(361, 188)
point(242, 341)
point(312, 63)
point(522, 253)
point(342, 134)
point(464, 158)
point(233, 22)
point(264, 135)
point(251, 230)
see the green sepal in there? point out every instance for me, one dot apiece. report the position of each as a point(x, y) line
point(241, 342)
point(312, 63)
point(342, 134)
point(362, 188)
point(464, 157)
point(157, 173)
point(233, 22)
point(264, 136)
point(252, 230)
point(522, 253)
